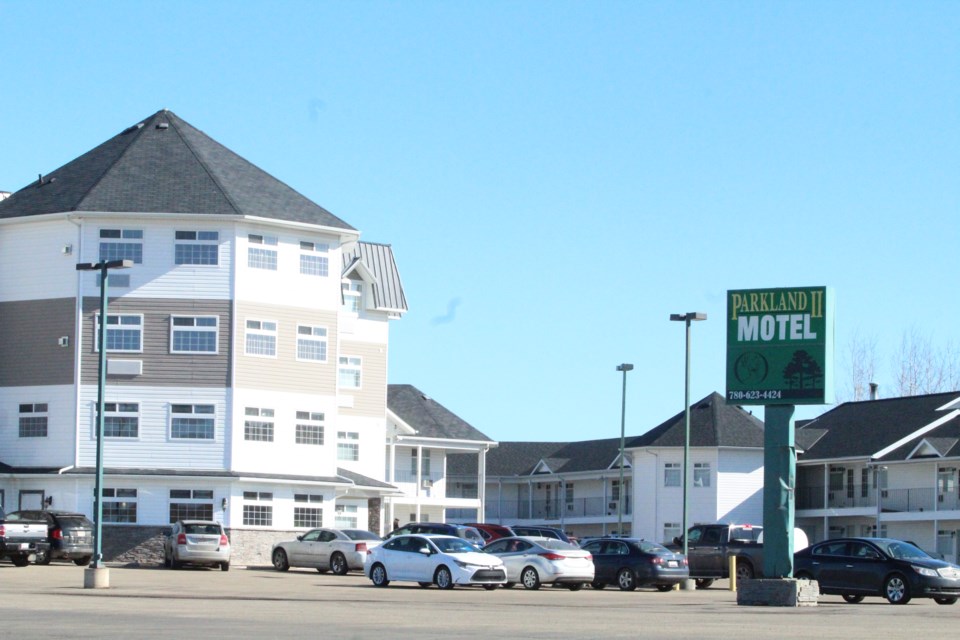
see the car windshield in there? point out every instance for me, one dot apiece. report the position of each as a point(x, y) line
point(453, 545)
point(360, 534)
point(903, 550)
point(653, 547)
point(202, 529)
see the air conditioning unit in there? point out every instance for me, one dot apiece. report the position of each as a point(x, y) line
point(570, 506)
point(427, 483)
point(613, 507)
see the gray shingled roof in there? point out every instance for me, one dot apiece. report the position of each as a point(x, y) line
point(713, 423)
point(427, 416)
point(862, 429)
point(388, 292)
point(165, 165)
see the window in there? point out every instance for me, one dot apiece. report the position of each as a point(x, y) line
point(349, 372)
point(192, 421)
point(33, 420)
point(257, 515)
point(425, 468)
point(864, 482)
point(352, 295)
point(671, 474)
point(191, 504)
point(836, 478)
point(120, 506)
point(193, 334)
point(309, 427)
point(568, 493)
point(701, 474)
point(313, 259)
point(311, 343)
point(260, 430)
point(347, 447)
point(346, 516)
point(258, 255)
point(671, 530)
point(305, 511)
point(121, 419)
point(261, 338)
point(196, 247)
point(124, 332)
point(121, 244)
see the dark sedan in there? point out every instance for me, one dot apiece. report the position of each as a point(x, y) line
point(629, 563)
point(858, 567)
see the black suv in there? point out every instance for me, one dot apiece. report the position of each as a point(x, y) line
point(70, 535)
point(467, 533)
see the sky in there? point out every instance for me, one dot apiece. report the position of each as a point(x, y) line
point(555, 178)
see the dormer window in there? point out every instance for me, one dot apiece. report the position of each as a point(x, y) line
point(352, 296)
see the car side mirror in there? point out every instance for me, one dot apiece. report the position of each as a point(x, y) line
point(426, 551)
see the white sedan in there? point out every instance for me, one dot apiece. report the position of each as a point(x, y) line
point(336, 550)
point(431, 559)
point(533, 561)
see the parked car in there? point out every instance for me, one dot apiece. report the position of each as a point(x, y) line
point(431, 559)
point(199, 542)
point(20, 537)
point(491, 532)
point(540, 531)
point(440, 528)
point(336, 550)
point(629, 563)
point(858, 567)
point(70, 535)
point(536, 561)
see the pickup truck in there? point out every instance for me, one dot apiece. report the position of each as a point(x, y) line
point(20, 538)
point(709, 547)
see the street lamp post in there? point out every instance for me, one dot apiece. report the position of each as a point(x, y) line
point(97, 576)
point(686, 318)
point(623, 421)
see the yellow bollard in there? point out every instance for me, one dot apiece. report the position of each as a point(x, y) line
point(733, 572)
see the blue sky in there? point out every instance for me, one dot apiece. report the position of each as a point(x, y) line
point(555, 178)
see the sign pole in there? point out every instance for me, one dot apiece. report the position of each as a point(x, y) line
point(779, 480)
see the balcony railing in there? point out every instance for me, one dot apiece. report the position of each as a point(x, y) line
point(400, 475)
point(891, 500)
point(553, 510)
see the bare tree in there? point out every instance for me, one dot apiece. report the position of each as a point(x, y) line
point(860, 359)
point(920, 367)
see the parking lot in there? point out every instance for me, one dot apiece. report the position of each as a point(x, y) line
point(40, 602)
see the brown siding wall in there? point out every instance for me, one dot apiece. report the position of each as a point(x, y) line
point(33, 356)
point(371, 399)
point(160, 367)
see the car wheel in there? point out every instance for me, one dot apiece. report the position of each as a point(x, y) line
point(490, 587)
point(378, 575)
point(224, 566)
point(664, 587)
point(803, 575)
point(851, 598)
point(174, 563)
point(626, 580)
point(945, 600)
point(280, 562)
point(530, 578)
point(338, 564)
point(896, 589)
point(744, 570)
point(575, 586)
point(443, 578)
point(599, 586)
point(509, 585)
point(20, 560)
point(82, 562)
point(425, 585)
point(42, 557)
point(704, 583)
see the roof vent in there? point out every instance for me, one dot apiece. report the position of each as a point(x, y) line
point(163, 125)
point(139, 125)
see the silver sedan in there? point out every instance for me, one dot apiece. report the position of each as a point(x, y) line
point(336, 550)
point(532, 561)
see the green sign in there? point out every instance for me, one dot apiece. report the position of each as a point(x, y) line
point(780, 346)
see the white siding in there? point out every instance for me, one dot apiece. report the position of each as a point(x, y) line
point(33, 263)
point(154, 448)
point(55, 450)
point(740, 485)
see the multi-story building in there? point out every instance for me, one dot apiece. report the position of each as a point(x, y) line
point(246, 348)
point(888, 465)
point(422, 435)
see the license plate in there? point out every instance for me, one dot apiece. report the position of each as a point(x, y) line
point(24, 545)
point(671, 563)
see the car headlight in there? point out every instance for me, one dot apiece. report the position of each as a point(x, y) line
point(924, 571)
point(469, 565)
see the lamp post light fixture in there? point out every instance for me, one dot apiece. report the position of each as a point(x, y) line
point(103, 267)
point(686, 318)
point(623, 421)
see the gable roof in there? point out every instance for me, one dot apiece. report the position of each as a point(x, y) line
point(713, 423)
point(378, 262)
point(165, 165)
point(525, 458)
point(889, 428)
point(428, 417)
